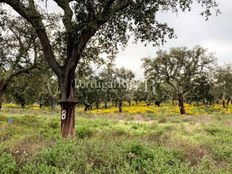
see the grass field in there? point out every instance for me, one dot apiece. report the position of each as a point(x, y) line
point(144, 142)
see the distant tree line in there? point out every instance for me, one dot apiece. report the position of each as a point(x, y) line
point(181, 75)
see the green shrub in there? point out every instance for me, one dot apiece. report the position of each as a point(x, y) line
point(83, 132)
point(118, 132)
point(30, 121)
point(54, 124)
point(51, 160)
point(7, 164)
point(40, 169)
point(144, 159)
point(3, 118)
point(8, 132)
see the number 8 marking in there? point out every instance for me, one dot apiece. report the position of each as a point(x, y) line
point(63, 115)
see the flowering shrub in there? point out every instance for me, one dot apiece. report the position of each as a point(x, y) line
point(167, 109)
point(142, 108)
point(32, 106)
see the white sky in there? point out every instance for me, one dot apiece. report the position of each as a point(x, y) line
point(191, 30)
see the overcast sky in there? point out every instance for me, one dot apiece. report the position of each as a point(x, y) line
point(191, 29)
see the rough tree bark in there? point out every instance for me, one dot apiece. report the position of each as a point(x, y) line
point(2, 90)
point(120, 105)
point(148, 103)
point(181, 103)
point(106, 106)
point(137, 103)
point(228, 101)
point(224, 98)
point(68, 104)
point(1, 98)
point(157, 103)
point(97, 105)
point(22, 103)
point(68, 119)
point(224, 103)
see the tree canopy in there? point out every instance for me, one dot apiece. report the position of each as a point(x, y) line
point(178, 68)
point(93, 25)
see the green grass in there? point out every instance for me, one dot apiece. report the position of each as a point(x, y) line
point(115, 143)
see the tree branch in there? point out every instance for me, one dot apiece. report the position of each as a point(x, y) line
point(32, 16)
point(68, 14)
point(91, 28)
point(108, 6)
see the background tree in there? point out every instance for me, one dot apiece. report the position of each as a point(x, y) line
point(124, 81)
point(151, 93)
point(19, 50)
point(88, 93)
point(104, 24)
point(47, 92)
point(200, 90)
point(178, 68)
point(24, 89)
point(51, 92)
point(139, 92)
point(110, 85)
point(162, 93)
point(223, 84)
point(145, 91)
point(106, 77)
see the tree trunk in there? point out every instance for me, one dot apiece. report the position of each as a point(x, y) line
point(137, 103)
point(97, 105)
point(1, 99)
point(68, 119)
point(224, 98)
point(148, 103)
point(205, 103)
point(3, 86)
point(87, 106)
point(181, 103)
point(106, 107)
point(120, 105)
point(228, 102)
point(224, 103)
point(157, 103)
point(41, 102)
point(2, 90)
point(52, 104)
point(22, 102)
point(68, 104)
